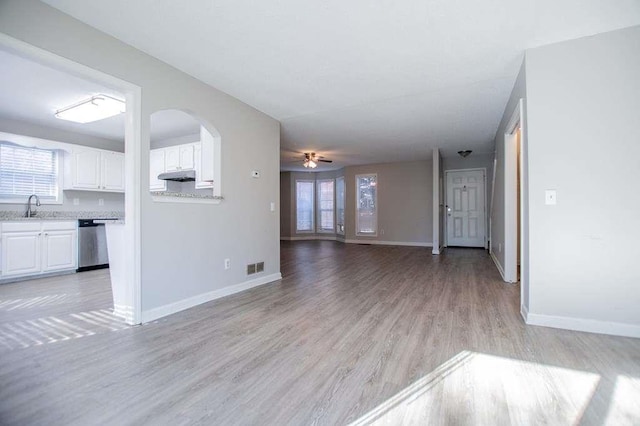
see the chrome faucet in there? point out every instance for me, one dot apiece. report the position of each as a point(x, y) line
point(31, 213)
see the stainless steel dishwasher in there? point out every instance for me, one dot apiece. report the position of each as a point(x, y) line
point(92, 245)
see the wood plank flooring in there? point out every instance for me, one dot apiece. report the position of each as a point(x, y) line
point(352, 334)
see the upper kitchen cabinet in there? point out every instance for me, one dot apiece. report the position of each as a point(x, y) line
point(185, 154)
point(89, 169)
point(180, 157)
point(157, 166)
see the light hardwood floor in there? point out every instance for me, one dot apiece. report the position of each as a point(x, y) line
point(352, 334)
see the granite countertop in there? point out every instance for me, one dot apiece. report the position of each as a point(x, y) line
point(60, 215)
point(110, 221)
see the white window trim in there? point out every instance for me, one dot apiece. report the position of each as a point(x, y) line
point(366, 234)
point(344, 204)
point(59, 196)
point(318, 211)
point(313, 207)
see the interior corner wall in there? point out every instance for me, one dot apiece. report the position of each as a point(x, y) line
point(497, 213)
point(405, 204)
point(287, 206)
point(183, 246)
point(583, 105)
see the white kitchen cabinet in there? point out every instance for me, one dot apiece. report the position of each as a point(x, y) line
point(88, 169)
point(112, 171)
point(197, 154)
point(179, 157)
point(32, 248)
point(187, 161)
point(59, 250)
point(85, 169)
point(156, 166)
point(21, 253)
point(172, 158)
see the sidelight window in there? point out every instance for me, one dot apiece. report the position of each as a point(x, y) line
point(366, 205)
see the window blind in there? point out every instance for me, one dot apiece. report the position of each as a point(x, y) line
point(325, 201)
point(25, 171)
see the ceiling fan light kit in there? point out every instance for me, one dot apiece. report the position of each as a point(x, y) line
point(464, 154)
point(311, 160)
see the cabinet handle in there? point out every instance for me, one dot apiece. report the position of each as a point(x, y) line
point(46, 234)
point(39, 234)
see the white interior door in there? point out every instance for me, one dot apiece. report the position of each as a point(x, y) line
point(465, 208)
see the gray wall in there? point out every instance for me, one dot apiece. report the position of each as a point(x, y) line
point(473, 161)
point(582, 112)
point(183, 245)
point(405, 205)
point(88, 200)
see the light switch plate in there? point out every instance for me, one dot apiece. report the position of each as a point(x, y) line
point(550, 197)
point(273, 206)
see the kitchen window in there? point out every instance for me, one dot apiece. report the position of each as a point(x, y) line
point(367, 205)
point(304, 205)
point(25, 171)
point(325, 206)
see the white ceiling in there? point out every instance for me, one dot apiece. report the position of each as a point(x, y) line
point(31, 92)
point(359, 81)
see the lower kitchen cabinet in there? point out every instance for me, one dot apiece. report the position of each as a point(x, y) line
point(21, 253)
point(33, 248)
point(59, 250)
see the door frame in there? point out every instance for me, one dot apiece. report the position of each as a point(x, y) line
point(517, 121)
point(446, 194)
point(133, 157)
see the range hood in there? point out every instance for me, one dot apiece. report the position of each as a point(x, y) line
point(179, 176)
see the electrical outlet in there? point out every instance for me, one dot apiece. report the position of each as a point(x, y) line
point(76, 201)
point(550, 197)
point(227, 263)
point(101, 201)
point(500, 247)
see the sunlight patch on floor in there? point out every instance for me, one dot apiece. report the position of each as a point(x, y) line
point(475, 388)
point(624, 407)
point(40, 331)
point(34, 302)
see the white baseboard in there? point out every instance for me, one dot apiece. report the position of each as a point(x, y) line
point(181, 305)
point(390, 243)
point(582, 324)
point(495, 260)
point(524, 312)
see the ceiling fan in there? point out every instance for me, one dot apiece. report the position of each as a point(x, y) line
point(311, 160)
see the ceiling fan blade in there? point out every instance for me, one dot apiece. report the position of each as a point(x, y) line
point(325, 161)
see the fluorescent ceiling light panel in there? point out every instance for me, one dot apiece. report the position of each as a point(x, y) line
point(96, 108)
